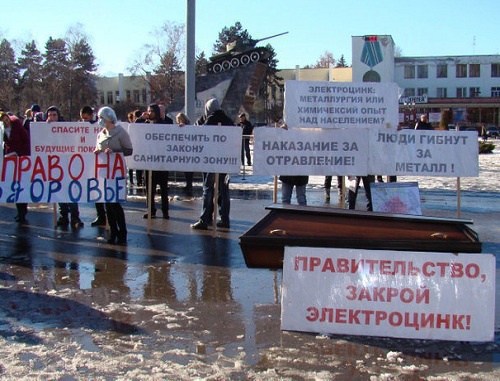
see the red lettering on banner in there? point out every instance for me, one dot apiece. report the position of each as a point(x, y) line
point(38, 170)
point(55, 167)
point(118, 166)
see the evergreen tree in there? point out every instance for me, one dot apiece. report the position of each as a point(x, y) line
point(271, 79)
point(341, 62)
point(9, 75)
point(231, 34)
point(30, 65)
point(201, 64)
point(167, 84)
point(55, 73)
point(81, 77)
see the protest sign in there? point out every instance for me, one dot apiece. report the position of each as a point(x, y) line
point(162, 147)
point(65, 177)
point(423, 153)
point(418, 295)
point(341, 104)
point(310, 151)
point(63, 137)
point(400, 198)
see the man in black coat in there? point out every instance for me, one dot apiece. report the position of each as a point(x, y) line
point(213, 117)
point(247, 131)
point(423, 124)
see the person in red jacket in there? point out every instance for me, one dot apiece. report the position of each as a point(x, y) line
point(16, 142)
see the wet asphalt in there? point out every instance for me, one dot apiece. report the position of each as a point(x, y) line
point(168, 262)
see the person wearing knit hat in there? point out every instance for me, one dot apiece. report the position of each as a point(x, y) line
point(214, 116)
point(30, 117)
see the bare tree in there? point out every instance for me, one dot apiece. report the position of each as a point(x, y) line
point(325, 60)
point(163, 56)
point(398, 52)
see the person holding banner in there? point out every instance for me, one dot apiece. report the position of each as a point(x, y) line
point(65, 208)
point(300, 184)
point(353, 191)
point(87, 115)
point(159, 178)
point(214, 116)
point(182, 120)
point(113, 138)
point(328, 186)
point(16, 142)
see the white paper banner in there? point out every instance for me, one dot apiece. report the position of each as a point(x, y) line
point(316, 151)
point(417, 295)
point(79, 178)
point(341, 104)
point(63, 137)
point(190, 148)
point(424, 153)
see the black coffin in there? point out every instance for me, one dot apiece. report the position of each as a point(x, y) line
point(289, 225)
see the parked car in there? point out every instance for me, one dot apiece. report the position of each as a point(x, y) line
point(473, 129)
point(492, 132)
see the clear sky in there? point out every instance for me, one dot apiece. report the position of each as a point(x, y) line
point(118, 29)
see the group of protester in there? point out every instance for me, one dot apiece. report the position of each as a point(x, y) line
point(115, 138)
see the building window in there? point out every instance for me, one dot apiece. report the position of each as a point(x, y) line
point(423, 71)
point(461, 71)
point(461, 92)
point(144, 96)
point(409, 71)
point(137, 98)
point(474, 70)
point(442, 71)
point(128, 95)
point(101, 97)
point(495, 92)
point(495, 70)
point(422, 91)
point(409, 92)
point(110, 97)
point(474, 92)
point(442, 92)
point(117, 96)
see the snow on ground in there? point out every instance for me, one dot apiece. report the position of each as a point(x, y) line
point(89, 338)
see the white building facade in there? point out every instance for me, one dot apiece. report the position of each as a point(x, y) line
point(467, 88)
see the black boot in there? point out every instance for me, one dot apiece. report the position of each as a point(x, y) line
point(99, 221)
point(63, 220)
point(113, 234)
point(122, 237)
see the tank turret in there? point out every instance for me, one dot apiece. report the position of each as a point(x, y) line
point(240, 53)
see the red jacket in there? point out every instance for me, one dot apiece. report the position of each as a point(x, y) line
point(19, 140)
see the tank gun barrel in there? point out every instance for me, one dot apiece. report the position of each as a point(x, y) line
point(267, 38)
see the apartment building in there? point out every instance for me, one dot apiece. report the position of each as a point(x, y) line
point(466, 87)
